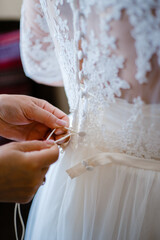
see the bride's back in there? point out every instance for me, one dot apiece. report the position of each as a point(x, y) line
point(108, 53)
point(119, 43)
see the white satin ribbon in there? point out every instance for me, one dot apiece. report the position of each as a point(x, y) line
point(104, 158)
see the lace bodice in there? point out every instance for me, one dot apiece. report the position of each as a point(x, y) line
point(103, 51)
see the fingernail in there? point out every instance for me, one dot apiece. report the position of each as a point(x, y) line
point(59, 131)
point(50, 142)
point(61, 122)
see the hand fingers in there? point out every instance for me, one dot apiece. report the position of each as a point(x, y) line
point(60, 131)
point(56, 111)
point(44, 157)
point(30, 146)
point(46, 118)
point(59, 115)
point(66, 119)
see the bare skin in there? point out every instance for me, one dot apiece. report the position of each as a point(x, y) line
point(28, 118)
point(23, 165)
point(150, 92)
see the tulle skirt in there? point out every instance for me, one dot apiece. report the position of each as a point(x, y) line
point(112, 202)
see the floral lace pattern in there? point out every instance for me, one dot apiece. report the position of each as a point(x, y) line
point(125, 129)
point(78, 41)
point(37, 49)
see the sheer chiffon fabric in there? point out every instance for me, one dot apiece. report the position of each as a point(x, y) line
point(108, 55)
point(113, 201)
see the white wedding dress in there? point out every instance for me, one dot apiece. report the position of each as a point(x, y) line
point(106, 183)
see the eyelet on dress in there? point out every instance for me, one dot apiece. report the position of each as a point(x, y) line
point(81, 14)
point(88, 167)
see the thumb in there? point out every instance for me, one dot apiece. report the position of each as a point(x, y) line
point(45, 157)
point(47, 118)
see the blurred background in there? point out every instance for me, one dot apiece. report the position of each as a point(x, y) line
point(13, 81)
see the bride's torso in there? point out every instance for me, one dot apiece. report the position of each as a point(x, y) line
point(109, 50)
point(109, 57)
point(119, 42)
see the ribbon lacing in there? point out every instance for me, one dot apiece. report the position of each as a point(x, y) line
point(103, 158)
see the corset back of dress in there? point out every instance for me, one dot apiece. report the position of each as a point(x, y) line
point(118, 127)
point(108, 53)
point(109, 48)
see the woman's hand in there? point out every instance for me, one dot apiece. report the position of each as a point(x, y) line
point(27, 118)
point(23, 166)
